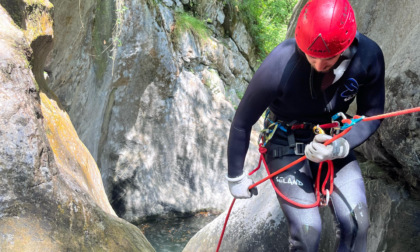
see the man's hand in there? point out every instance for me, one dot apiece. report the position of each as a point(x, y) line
point(317, 152)
point(239, 187)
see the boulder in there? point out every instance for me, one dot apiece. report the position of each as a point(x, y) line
point(51, 193)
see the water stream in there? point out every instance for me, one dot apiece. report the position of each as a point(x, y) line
point(172, 234)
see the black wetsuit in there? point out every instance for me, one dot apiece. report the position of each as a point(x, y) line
point(287, 85)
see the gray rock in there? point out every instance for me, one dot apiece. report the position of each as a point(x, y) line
point(255, 224)
point(395, 27)
point(242, 39)
point(153, 109)
point(43, 204)
point(220, 16)
point(189, 49)
point(400, 136)
point(209, 10)
point(167, 18)
point(168, 3)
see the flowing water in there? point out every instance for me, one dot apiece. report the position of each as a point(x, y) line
point(172, 234)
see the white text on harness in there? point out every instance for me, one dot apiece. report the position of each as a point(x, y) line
point(290, 181)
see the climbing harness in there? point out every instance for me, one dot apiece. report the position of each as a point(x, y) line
point(297, 148)
point(346, 126)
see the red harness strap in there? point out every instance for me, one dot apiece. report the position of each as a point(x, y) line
point(330, 174)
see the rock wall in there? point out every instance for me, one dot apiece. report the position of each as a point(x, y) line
point(395, 27)
point(51, 194)
point(152, 103)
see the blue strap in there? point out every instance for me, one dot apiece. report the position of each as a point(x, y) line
point(353, 122)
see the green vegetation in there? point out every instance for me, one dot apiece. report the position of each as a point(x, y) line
point(185, 22)
point(107, 28)
point(266, 21)
point(240, 94)
point(151, 3)
point(103, 26)
point(116, 32)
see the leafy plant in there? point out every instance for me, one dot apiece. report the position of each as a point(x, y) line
point(265, 20)
point(187, 22)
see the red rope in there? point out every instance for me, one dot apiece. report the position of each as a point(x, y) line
point(262, 159)
point(224, 226)
point(298, 160)
point(391, 114)
point(330, 172)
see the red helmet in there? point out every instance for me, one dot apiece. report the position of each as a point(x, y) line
point(325, 28)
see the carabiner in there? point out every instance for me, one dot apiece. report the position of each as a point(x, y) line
point(338, 115)
point(318, 130)
point(325, 199)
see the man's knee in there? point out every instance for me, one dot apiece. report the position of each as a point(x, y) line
point(356, 221)
point(354, 234)
point(361, 217)
point(306, 238)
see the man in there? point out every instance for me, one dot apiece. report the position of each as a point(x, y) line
point(304, 82)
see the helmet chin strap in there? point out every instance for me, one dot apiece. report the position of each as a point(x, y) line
point(348, 55)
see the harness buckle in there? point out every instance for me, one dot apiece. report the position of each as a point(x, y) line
point(300, 149)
